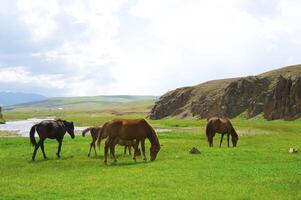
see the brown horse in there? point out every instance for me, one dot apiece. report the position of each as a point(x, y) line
point(137, 129)
point(96, 130)
point(53, 129)
point(222, 126)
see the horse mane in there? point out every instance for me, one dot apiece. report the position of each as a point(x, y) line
point(152, 136)
point(233, 131)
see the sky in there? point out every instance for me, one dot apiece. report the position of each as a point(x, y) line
point(141, 47)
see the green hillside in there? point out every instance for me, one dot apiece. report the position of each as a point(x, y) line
point(84, 103)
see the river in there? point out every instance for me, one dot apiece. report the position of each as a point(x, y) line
point(22, 127)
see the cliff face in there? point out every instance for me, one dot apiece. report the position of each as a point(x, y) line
point(276, 94)
point(1, 117)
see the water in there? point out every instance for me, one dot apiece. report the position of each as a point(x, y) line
point(22, 127)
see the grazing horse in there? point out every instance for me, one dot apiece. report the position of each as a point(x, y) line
point(137, 129)
point(222, 126)
point(96, 130)
point(53, 129)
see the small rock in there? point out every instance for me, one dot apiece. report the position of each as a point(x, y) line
point(194, 151)
point(292, 150)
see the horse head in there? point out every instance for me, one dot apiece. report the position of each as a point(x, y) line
point(234, 137)
point(70, 128)
point(155, 148)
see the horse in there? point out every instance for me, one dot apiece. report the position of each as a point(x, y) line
point(134, 129)
point(52, 129)
point(128, 144)
point(96, 130)
point(222, 126)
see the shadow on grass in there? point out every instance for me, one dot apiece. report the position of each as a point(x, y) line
point(122, 164)
point(51, 159)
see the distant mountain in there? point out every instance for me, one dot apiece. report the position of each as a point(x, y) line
point(275, 95)
point(87, 103)
point(12, 98)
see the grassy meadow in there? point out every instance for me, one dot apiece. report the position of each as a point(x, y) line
point(259, 168)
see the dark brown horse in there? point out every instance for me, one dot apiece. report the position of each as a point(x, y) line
point(53, 129)
point(137, 129)
point(96, 130)
point(222, 126)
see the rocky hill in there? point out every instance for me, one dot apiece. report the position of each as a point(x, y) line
point(1, 117)
point(275, 94)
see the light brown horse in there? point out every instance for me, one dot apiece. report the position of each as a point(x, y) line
point(135, 129)
point(96, 130)
point(222, 126)
point(128, 144)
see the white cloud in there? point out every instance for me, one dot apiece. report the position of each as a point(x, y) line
point(39, 16)
point(216, 39)
point(21, 75)
point(179, 42)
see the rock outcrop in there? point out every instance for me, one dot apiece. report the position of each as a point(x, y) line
point(1, 117)
point(275, 94)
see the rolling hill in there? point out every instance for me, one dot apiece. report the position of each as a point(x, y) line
point(275, 95)
point(87, 103)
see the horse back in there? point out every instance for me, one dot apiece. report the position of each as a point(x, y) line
point(219, 125)
point(127, 129)
point(50, 129)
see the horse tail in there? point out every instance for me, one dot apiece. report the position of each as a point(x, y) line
point(86, 130)
point(100, 134)
point(31, 135)
point(208, 129)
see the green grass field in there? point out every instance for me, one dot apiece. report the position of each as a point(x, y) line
point(259, 168)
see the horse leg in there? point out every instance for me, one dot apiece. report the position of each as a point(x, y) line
point(143, 149)
point(228, 140)
point(91, 144)
point(94, 149)
point(222, 137)
point(42, 147)
point(106, 149)
point(112, 150)
point(59, 148)
point(130, 149)
point(210, 141)
point(35, 150)
point(136, 150)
